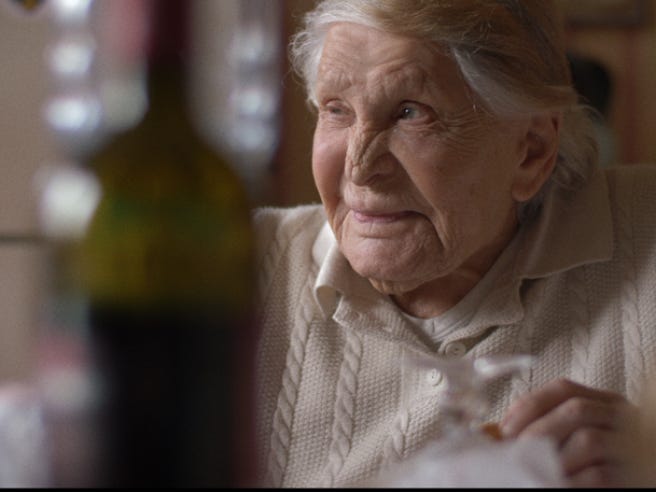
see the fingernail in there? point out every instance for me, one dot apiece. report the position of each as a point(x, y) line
point(506, 429)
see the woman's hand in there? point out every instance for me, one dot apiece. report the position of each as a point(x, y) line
point(589, 426)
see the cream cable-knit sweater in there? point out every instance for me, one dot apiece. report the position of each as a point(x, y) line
point(339, 398)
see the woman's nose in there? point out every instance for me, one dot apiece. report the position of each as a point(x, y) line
point(368, 158)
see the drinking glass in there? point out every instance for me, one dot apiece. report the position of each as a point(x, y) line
point(465, 402)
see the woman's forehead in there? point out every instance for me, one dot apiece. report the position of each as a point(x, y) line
point(361, 58)
point(343, 37)
point(354, 54)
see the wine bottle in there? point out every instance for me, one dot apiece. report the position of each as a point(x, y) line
point(166, 266)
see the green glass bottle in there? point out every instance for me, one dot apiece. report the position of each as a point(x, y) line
point(166, 266)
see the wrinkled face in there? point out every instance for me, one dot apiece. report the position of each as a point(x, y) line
point(415, 181)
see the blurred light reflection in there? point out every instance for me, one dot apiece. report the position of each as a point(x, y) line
point(69, 197)
point(124, 101)
point(71, 11)
point(74, 117)
point(72, 58)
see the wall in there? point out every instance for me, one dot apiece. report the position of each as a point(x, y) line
point(629, 54)
point(24, 147)
point(293, 173)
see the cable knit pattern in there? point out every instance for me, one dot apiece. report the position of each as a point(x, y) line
point(338, 399)
point(394, 449)
point(578, 314)
point(347, 386)
point(283, 418)
point(630, 321)
point(521, 381)
point(274, 244)
point(269, 261)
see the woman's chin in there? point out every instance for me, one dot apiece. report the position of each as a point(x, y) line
point(395, 287)
point(393, 266)
point(391, 278)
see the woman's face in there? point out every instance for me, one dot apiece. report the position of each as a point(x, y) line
point(415, 181)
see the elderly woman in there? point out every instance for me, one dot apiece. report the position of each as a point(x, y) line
point(462, 215)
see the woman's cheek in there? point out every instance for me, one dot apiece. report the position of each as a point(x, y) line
point(328, 158)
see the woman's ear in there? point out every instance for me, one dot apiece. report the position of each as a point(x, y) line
point(541, 152)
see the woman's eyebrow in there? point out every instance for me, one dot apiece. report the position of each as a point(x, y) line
point(413, 77)
point(333, 80)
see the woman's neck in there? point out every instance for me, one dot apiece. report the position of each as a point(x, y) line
point(441, 294)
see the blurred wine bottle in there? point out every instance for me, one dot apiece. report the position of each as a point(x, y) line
point(164, 270)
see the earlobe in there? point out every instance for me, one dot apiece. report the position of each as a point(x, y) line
point(541, 153)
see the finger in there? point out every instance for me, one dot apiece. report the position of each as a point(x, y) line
point(537, 403)
point(590, 447)
point(572, 415)
point(597, 476)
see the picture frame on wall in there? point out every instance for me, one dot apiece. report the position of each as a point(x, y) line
point(605, 13)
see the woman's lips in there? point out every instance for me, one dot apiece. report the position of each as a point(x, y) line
point(378, 218)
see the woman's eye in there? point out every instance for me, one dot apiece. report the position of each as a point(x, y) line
point(336, 110)
point(408, 113)
point(333, 108)
point(413, 112)
point(336, 113)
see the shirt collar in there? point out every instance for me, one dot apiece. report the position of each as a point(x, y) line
point(335, 275)
point(572, 229)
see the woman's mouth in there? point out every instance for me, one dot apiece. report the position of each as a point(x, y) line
point(378, 218)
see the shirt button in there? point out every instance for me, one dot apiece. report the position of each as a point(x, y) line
point(434, 377)
point(455, 349)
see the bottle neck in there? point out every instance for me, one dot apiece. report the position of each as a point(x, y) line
point(168, 54)
point(169, 32)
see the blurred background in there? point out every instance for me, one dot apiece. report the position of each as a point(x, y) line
point(612, 49)
point(612, 45)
